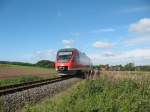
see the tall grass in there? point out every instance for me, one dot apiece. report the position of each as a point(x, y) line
point(105, 94)
point(116, 76)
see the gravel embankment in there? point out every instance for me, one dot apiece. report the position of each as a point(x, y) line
point(15, 101)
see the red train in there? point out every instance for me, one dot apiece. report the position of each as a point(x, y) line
point(71, 61)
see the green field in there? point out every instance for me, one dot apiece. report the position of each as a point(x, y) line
point(14, 74)
point(30, 68)
point(19, 80)
point(104, 94)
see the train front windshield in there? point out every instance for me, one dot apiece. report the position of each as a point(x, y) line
point(64, 56)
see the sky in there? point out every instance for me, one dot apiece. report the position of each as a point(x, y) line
point(108, 31)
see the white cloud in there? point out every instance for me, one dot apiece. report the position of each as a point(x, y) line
point(142, 30)
point(36, 56)
point(136, 9)
point(138, 56)
point(138, 41)
point(67, 43)
point(108, 54)
point(75, 33)
point(43, 55)
point(142, 26)
point(103, 45)
point(103, 30)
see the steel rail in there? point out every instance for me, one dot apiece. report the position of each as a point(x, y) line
point(5, 90)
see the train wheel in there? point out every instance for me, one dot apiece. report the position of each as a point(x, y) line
point(91, 74)
point(87, 75)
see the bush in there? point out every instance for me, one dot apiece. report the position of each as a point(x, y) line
point(45, 63)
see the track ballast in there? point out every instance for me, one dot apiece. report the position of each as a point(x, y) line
point(5, 90)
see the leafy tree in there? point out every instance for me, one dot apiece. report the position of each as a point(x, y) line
point(45, 63)
point(130, 67)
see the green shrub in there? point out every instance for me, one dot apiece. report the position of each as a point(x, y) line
point(45, 63)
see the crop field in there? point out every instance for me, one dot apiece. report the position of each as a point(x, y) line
point(12, 71)
point(108, 92)
point(14, 74)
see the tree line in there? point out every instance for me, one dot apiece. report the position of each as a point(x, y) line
point(51, 64)
point(41, 63)
point(127, 67)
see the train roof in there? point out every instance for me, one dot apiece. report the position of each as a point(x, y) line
point(68, 49)
point(71, 49)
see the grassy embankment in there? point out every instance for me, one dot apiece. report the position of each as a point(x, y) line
point(14, 74)
point(107, 93)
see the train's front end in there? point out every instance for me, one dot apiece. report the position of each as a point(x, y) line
point(65, 61)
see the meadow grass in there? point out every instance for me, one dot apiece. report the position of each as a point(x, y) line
point(18, 80)
point(103, 94)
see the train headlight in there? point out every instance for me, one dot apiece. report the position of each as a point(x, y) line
point(62, 64)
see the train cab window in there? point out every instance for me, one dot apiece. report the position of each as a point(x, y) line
point(64, 55)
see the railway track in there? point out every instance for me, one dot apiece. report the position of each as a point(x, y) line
point(5, 90)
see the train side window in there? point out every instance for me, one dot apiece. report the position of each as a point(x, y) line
point(77, 58)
